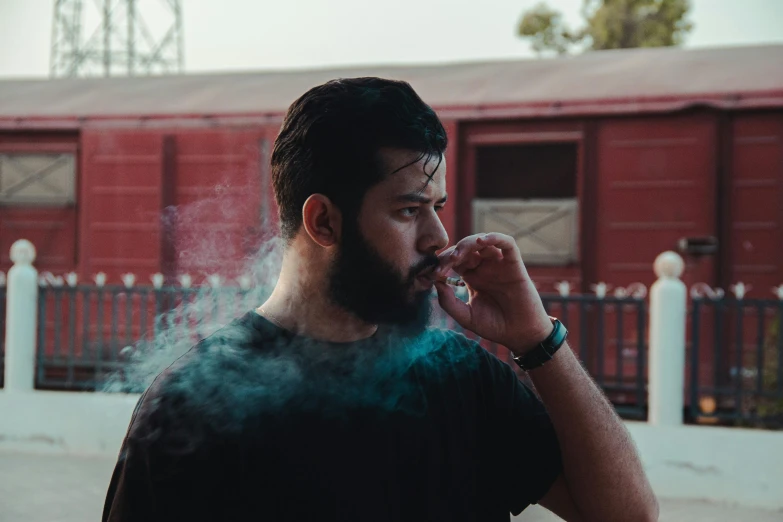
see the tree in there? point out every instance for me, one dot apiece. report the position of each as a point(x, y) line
point(609, 24)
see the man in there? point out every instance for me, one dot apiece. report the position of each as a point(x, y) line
point(333, 401)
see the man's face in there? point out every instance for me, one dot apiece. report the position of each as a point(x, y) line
point(380, 271)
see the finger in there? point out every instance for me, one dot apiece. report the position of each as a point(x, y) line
point(453, 305)
point(445, 262)
point(491, 252)
point(469, 262)
point(466, 245)
point(445, 259)
point(453, 255)
point(447, 253)
point(505, 243)
point(472, 260)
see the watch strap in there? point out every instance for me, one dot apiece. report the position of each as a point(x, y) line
point(545, 350)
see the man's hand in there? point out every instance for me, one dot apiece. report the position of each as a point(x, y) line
point(504, 305)
point(603, 477)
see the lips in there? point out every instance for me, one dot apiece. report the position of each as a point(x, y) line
point(426, 275)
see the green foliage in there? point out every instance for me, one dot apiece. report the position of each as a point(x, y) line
point(609, 24)
point(545, 27)
point(762, 405)
point(770, 406)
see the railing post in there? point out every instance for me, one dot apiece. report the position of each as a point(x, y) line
point(21, 318)
point(667, 341)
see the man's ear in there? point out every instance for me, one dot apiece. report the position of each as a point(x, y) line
point(322, 220)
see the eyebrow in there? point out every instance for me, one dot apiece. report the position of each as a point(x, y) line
point(415, 197)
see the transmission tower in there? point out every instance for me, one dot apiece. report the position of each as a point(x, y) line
point(120, 41)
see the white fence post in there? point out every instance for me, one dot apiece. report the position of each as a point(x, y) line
point(21, 318)
point(668, 314)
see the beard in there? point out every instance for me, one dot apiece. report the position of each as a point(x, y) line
point(365, 284)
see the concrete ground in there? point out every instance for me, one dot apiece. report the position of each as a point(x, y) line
point(53, 488)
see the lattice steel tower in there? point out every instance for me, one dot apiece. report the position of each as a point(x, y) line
point(120, 41)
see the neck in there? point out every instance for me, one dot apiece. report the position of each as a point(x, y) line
point(300, 304)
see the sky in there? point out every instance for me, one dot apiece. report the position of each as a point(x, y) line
point(224, 35)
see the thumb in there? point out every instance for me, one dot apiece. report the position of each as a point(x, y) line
point(453, 305)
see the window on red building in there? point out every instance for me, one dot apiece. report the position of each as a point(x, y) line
point(528, 191)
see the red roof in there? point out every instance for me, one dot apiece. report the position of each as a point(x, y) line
point(626, 81)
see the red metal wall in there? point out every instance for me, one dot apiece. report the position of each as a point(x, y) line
point(656, 184)
point(221, 188)
point(120, 202)
point(643, 183)
point(756, 202)
point(153, 200)
point(177, 200)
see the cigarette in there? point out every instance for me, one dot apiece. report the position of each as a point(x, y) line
point(453, 281)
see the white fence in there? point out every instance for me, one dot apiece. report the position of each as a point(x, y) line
point(724, 464)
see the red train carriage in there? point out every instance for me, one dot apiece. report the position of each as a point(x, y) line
point(595, 164)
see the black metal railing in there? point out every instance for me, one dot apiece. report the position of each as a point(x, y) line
point(735, 373)
point(609, 336)
point(88, 334)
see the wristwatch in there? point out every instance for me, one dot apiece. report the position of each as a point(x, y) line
point(545, 350)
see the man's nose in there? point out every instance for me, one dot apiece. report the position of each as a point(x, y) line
point(435, 237)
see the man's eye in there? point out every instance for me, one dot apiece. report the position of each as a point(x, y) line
point(438, 208)
point(410, 211)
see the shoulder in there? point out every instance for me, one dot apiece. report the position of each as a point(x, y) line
point(177, 373)
point(214, 388)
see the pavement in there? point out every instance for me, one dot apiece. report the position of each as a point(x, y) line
point(57, 488)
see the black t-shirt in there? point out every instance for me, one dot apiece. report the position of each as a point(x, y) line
point(256, 423)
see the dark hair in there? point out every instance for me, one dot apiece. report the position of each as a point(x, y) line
point(331, 137)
